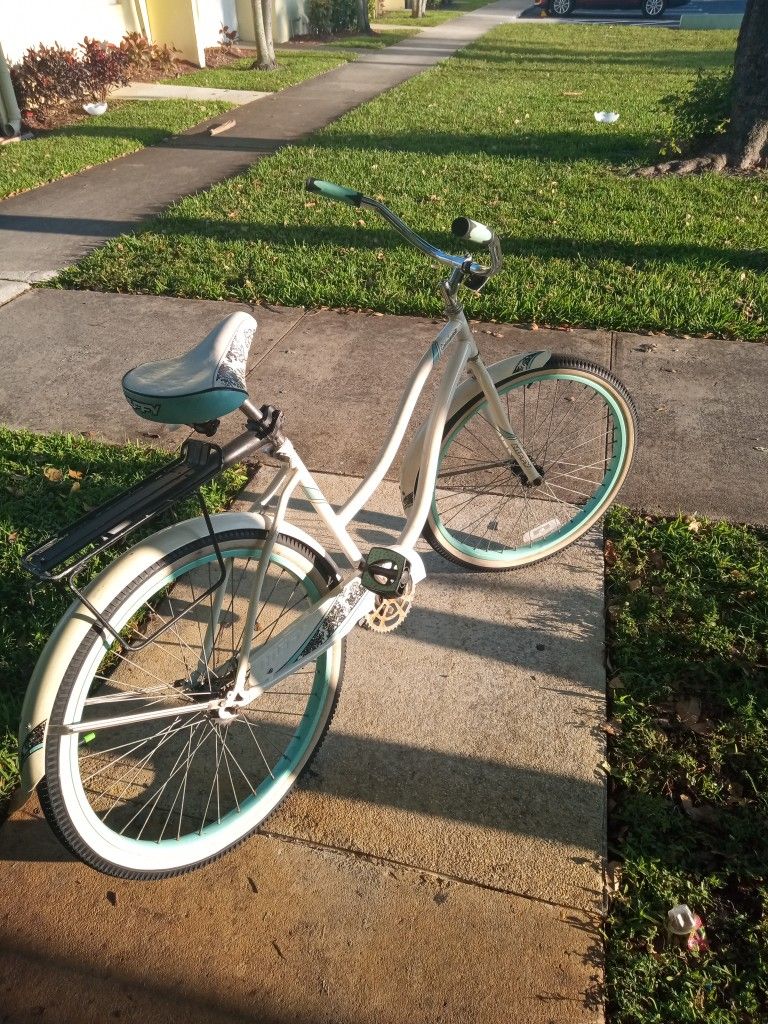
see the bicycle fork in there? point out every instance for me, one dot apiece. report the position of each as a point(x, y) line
point(500, 421)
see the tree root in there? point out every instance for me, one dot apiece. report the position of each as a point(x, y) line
point(716, 162)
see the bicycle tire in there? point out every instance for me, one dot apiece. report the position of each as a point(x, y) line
point(465, 546)
point(76, 806)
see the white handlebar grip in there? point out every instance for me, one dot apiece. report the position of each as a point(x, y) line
point(471, 230)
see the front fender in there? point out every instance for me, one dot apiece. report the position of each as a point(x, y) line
point(77, 620)
point(503, 370)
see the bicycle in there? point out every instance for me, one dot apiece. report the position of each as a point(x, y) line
point(190, 683)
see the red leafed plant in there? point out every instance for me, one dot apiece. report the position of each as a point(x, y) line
point(47, 76)
point(105, 65)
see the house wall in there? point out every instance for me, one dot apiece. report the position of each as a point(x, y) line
point(176, 23)
point(289, 18)
point(32, 22)
point(212, 14)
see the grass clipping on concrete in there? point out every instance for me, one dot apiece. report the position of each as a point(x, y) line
point(46, 482)
point(125, 128)
point(688, 736)
point(504, 132)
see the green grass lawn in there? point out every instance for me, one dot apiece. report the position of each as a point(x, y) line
point(434, 17)
point(688, 807)
point(293, 66)
point(488, 134)
point(379, 40)
point(34, 505)
point(125, 128)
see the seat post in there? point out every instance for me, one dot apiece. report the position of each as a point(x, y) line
point(250, 410)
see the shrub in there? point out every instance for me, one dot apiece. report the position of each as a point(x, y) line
point(105, 67)
point(46, 76)
point(701, 114)
point(329, 16)
point(49, 76)
point(145, 57)
point(319, 15)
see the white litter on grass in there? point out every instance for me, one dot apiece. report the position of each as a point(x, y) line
point(95, 109)
point(606, 116)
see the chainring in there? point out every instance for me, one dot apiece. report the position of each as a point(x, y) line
point(389, 612)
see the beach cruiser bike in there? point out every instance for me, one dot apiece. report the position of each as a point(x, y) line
point(190, 683)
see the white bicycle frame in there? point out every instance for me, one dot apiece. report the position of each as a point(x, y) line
point(336, 614)
point(333, 617)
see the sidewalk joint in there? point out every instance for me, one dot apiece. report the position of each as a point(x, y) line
point(392, 862)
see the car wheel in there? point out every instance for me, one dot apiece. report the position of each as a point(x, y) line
point(562, 8)
point(653, 8)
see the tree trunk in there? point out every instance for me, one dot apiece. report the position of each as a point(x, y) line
point(363, 21)
point(748, 131)
point(418, 7)
point(262, 28)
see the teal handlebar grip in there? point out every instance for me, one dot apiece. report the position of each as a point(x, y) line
point(331, 191)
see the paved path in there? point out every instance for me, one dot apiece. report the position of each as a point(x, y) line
point(39, 236)
point(443, 862)
point(460, 775)
point(703, 405)
point(158, 91)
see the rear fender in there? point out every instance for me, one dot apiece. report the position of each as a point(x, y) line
point(77, 621)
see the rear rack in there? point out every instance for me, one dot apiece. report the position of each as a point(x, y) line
point(105, 526)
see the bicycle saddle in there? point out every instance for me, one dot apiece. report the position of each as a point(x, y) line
point(202, 385)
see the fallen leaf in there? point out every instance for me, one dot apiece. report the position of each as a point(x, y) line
point(613, 875)
point(617, 683)
point(75, 486)
point(75, 474)
point(53, 474)
point(606, 767)
point(11, 537)
point(634, 585)
point(611, 727)
point(577, 93)
point(694, 526)
point(705, 814)
point(610, 553)
point(656, 558)
point(688, 711)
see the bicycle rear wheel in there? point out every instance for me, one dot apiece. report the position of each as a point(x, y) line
point(577, 424)
point(162, 796)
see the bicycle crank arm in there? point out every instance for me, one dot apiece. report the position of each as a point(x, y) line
point(310, 636)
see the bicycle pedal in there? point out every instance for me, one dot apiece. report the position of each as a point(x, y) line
point(385, 572)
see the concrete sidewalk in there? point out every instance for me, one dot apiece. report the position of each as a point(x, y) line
point(51, 227)
point(702, 405)
point(452, 828)
point(460, 775)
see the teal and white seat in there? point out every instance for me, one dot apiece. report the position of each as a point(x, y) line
point(202, 385)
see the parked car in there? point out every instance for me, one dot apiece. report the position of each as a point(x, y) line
point(649, 8)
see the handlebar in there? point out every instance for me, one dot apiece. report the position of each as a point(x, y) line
point(462, 227)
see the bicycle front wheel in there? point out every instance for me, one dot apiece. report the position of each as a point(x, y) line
point(577, 424)
point(160, 796)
